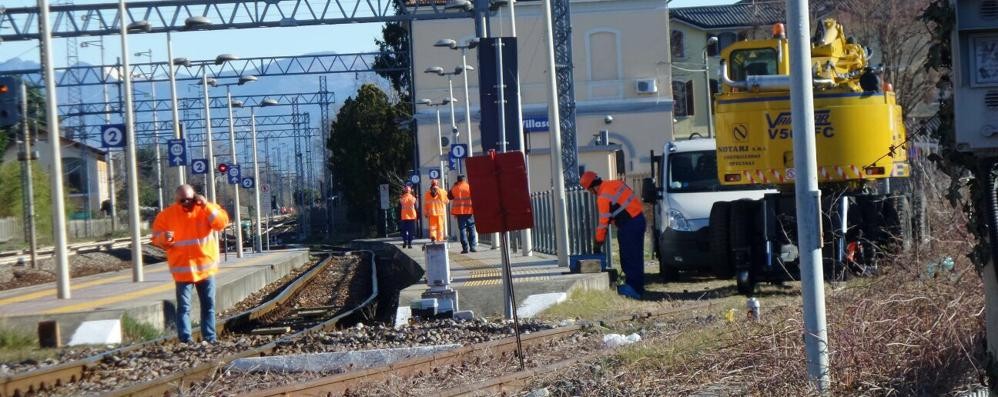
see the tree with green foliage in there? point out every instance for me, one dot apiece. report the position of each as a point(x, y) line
point(368, 148)
point(394, 47)
point(148, 189)
point(11, 194)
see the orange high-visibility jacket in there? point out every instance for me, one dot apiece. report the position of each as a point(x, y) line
point(408, 203)
point(461, 204)
point(435, 206)
point(614, 197)
point(193, 254)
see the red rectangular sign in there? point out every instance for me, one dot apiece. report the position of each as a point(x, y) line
point(500, 196)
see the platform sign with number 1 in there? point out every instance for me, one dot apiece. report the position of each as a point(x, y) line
point(458, 152)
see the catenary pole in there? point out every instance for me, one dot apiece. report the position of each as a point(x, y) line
point(808, 194)
point(131, 168)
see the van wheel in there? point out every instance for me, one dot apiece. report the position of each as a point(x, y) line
point(666, 272)
point(720, 240)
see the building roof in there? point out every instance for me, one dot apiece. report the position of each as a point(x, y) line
point(730, 16)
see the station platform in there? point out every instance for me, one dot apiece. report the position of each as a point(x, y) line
point(477, 277)
point(112, 295)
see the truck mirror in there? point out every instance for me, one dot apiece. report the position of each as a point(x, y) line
point(649, 193)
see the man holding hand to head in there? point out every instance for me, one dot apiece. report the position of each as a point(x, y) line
point(186, 230)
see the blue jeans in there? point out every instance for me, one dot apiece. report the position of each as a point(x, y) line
point(408, 231)
point(631, 238)
point(206, 297)
point(466, 231)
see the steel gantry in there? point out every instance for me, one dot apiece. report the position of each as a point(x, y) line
point(321, 98)
point(177, 15)
point(292, 65)
point(18, 23)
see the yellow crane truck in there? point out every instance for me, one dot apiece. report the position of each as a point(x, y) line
point(862, 162)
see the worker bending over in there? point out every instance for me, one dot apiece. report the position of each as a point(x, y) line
point(618, 204)
point(435, 211)
point(460, 207)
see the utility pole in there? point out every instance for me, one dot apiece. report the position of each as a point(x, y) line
point(131, 168)
point(173, 105)
point(209, 177)
point(557, 168)
point(270, 186)
point(27, 180)
point(808, 195)
point(235, 162)
point(61, 260)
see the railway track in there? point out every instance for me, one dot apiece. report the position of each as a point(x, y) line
point(570, 345)
point(106, 368)
point(24, 256)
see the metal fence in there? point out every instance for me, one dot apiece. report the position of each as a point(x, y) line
point(9, 229)
point(582, 219)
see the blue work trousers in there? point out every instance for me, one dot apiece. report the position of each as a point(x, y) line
point(206, 297)
point(408, 231)
point(466, 231)
point(631, 238)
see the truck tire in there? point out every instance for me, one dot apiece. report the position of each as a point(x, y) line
point(666, 272)
point(740, 240)
point(745, 283)
point(905, 221)
point(720, 243)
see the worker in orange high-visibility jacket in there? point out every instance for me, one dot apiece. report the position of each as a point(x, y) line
point(407, 216)
point(460, 207)
point(617, 204)
point(186, 230)
point(435, 211)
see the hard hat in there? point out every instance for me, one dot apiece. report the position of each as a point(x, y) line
point(587, 179)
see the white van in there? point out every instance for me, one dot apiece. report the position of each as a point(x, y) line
point(687, 188)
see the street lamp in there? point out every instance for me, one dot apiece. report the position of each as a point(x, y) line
point(452, 44)
point(706, 80)
point(440, 138)
point(109, 156)
point(155, 131)
point(205, 83)
point(257, 238)
point(450, 85)
point(232, 147)
point(131, 168)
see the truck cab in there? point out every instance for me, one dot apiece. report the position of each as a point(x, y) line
point(688, 187)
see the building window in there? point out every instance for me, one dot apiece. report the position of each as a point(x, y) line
point(682, 98)
point(604, 56)
point(678, 44)
point(75, 174)
point(725, 39)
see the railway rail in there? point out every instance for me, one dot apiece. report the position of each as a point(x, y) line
point(24, 256)
point(50, 379)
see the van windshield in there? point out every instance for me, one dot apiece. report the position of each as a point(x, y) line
point(692, 172)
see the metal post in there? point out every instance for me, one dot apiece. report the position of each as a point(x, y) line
point(235, 161)
point(443, 175)
point(507, 280)
point(270, 185)
point(52, 120)
point(131, 168)
point(710, 100)
point(508, 307)
point(29, 183)
point(528, 246)
point(467, 100)
point(257, 242)
point(155, 141)
point(173, 104)
point(808, 195)
point(209, 177)
point(557, 168)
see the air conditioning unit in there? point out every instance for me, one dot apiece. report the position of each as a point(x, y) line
point(646, 86)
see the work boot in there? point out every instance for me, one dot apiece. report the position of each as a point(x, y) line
point(628, 291)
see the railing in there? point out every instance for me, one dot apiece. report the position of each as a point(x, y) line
point(582, 219)
point(9, 229)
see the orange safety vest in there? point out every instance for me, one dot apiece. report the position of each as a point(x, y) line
point(193, 253)
point(461, 204)
point(614, 200)
point(435, 206)
point(408, 203)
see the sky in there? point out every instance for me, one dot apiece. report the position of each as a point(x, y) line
point(244, 42)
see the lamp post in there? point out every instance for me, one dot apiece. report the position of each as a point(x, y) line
point(209, 147)
point(452, 44)
point(174, 111)
point(257, 239)
point(112, 201)
point(235, 159)
point(706, 83)
point(440, 140)
point(155, 132)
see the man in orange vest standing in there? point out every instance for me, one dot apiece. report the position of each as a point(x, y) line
point(186, 230)
point(435, 210)
point(460, 207)
point(407, 205)
point(618, 204)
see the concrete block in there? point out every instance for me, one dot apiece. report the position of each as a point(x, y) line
point(464, 315)
point(423, 304)
point(98, 332)
point(335, 361)
point(402, 316)
point(590, 266)
point(534, 304)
